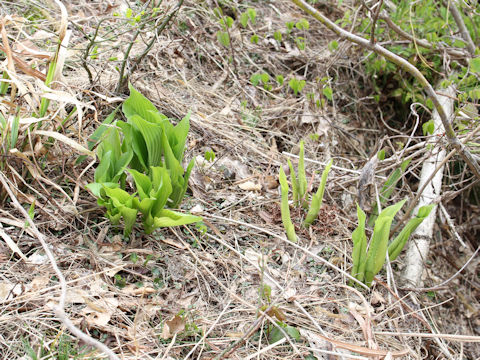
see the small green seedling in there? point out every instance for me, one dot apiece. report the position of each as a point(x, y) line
point(296, 85)
point(249, 15)
point(263, 78)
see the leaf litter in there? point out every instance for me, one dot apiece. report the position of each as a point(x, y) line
point(205, 292)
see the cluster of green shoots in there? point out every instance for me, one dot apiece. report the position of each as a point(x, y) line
point(299, 193)
point(367, 264)
point(149, 149)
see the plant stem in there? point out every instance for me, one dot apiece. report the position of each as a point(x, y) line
point(406, 66)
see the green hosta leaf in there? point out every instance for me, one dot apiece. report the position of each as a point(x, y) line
point(162, 187)
point(137, 104)
point(123, 205)
point(173, 218)
point(176, 173)
point(112, 143)
point(119, 197)
point(114, 217)
point(377, 251)
point(104, 169)
point(142, 183)
point(152, 134)
point(121, 163)
point(145, 205)
point(129, 217)
point(98, 134)
point(387, 189)
point(395, 248)
point(134, 139)
point(177, 195)
point(359, 253)
point(317, 199)
point(97, 188)
point(180, 132)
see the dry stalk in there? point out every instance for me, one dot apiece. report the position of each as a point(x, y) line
point(60, 309)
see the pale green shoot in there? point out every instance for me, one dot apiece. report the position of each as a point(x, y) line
point(317, 199)
point(285, 208)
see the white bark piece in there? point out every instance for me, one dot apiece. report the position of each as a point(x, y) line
point(419, 244)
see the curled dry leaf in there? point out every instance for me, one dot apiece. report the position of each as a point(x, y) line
point(99, 312)
point(134, 290)
point(6, 290)
point(173, 326)
point(250, 186)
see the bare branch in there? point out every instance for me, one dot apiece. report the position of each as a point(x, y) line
point(421, 42)
point(406, 66)
point(461, 26)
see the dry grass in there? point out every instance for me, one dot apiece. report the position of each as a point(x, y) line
point(124, 293)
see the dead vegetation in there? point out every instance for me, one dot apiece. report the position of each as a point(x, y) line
point(182, 294)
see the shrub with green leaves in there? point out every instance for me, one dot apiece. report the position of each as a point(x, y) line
point(299, 194)
point(367, 264)
point(149, 149)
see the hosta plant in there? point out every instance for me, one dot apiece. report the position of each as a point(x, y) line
point(149, 149)
point(300, 194)
point(366, 264)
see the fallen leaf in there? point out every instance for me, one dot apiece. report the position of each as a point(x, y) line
point(39, 282)
point(99, 312)
point(173, 326)
point(250, 186)
point(197, 209)
point(38, 259)
point(134, 290)
point(6, 291)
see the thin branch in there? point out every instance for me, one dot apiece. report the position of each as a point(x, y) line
point(406, 66)
point(375, 13)
point(432, 175)
point(60, 309)
point(457, 16)
point(421, 42)
point(138, 60)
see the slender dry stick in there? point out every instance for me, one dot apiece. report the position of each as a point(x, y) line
point(432, 175)
point(138, 60)
point(443, 283)
point(262, 313)
point(60, 309)
point(406, 66)
point(374, 21)
point(457, 16)
point(421, 42)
